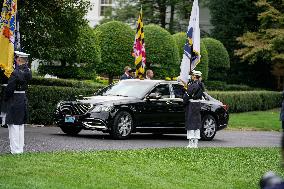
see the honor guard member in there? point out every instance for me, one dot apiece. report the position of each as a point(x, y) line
point(191, 100)
point(16, 100)
point(4, 83)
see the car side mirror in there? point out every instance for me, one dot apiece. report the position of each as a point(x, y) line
point(154, 96)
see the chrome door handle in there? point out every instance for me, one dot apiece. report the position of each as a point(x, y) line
point(168, 102)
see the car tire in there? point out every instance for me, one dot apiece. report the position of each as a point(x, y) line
point(122, 125)
point(209, 128)
point(70, 130)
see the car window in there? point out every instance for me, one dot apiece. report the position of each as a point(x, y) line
point(163, 90)
point(178, 90)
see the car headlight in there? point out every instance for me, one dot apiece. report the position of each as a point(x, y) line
point(101, 108)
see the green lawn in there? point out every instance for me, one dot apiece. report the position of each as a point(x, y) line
point(259, 120)
point(160, 168)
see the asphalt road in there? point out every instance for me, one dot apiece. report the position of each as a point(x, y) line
point(44, 139)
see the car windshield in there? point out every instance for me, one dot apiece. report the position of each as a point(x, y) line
point(128, 88)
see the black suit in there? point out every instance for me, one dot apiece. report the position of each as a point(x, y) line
point(124, 76)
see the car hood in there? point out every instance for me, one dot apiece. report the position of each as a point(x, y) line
point(108, 99)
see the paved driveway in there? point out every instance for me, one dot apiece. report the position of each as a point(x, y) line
point(41, 139)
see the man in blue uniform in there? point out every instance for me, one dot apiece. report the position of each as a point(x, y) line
point(192, 99)
point(15, 97)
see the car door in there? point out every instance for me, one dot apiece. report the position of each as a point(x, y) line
point(156, 110)
point(177, 106)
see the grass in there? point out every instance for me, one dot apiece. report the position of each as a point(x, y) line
point(258, 120)
point(160, 168)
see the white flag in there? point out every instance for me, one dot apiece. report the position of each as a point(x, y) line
point(191, 56)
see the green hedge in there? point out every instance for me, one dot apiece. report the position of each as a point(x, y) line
point(243, 101)
point(64, 83)
point(116, 44)
point(219, 62)
point(161, 52)
point(223, 86)
point(68, 72)
point(43, 101)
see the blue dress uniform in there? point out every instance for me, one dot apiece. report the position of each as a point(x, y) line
point(192, 111)
point(15, 96)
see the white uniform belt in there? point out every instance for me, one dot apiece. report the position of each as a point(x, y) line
point(20, 92)
point(191, 100)
point(4, 85)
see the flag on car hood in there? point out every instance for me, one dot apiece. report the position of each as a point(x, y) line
point(7, 35)
point(139, 48)
point(191, 56)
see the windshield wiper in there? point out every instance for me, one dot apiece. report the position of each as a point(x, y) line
point(121, 95)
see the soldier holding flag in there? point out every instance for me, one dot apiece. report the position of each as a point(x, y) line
point(15, 97)
point(14, 105)
point(191, 58)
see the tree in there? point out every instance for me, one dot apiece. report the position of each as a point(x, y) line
point(50, 29)
point(154, 11)
point(180, 39)
point(231, 19)
point(116, 43)
point(267, 44)
point(219, 61)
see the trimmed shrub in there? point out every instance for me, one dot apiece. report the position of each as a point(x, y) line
point(43, 101)
point(161, 52)
point(67, 72)
point(64, 83)
point(223, 86)
point(219, 62)
point(180, 39)
point(116, 44)
point(243, 101)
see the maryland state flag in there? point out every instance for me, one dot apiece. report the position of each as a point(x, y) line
point(191, 56)
point(7, 35)
point(139, 48)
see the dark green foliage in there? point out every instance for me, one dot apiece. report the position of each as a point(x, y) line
point(203, 65)
point(223, 86)
point(244, 101)
point(51, 29)
point(116, 43)
point(161, 52)
point(66, 72)
point(219, 62)
point(180, 39)
point(64, 83)
point(43, 100)
point(231, 19)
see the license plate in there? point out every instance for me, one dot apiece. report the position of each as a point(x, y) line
point(70, 119)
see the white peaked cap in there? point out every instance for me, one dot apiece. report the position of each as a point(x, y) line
point(21, 54)
point(197, 73)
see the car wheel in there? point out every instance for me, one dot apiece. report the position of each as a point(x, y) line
point(122, 126)
point(209, 127)
point(70, 130)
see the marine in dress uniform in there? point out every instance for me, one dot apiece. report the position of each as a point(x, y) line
point(15, 97)
point(192, 103)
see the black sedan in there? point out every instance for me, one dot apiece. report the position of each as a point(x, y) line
point(129, 106)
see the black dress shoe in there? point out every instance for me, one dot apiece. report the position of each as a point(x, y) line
point(4, 126)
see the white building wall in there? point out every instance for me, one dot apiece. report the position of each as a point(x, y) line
point(94, 15)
